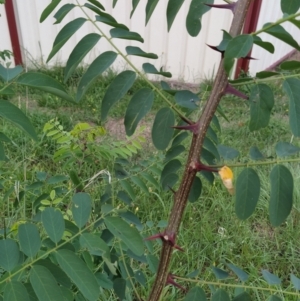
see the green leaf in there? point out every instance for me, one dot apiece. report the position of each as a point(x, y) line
point(151, 179)
point(139, 105)
point(137, 181)
point(242, 297)
point(266, 74)
point(238, 47)
point(210, 146)
point(290, 65)
point(162, 131)
point(281, 199)
point(132, 219)
point(208, 157)
point(128, 235)
point(126, 186)
point(104, 281)
point(195, 191)
point(9, 254)
point(56, 179)
point(7, 74)
point(79, 273)
point(247, 193)
point(296, 282)
point(226, 39)
point(116, 90)
point(64, 35)
point(195, 294)
point(59, 275)
point(140, 278)
point(15, 291)
point(174, 152)
point(94, 244)
point(196, 11)
point(187, 99)
point(124, 34)
point(44, 284)
point(107, 19)
point(48, 10)
point(29, 239)
point(131, 50)
point(261, 104)
point(4, 138)
point(219, 273)
point(291, 87)
point(10, 112)
point(97, 3)
point(280, 33)
point(172, 10)
point(170, 168)
point(169, 181)
point(53, 223)
point(243, 276)
point(149, 68)
point(45, 83)
point(114, 3)
point(179, 138)
point(212, 135)
point(134, 6)
point(151, 4)
point(62, 12)
point(81, 208)
point(284, 149)
point(98, 66)
point(271, 278)
point(220, 295)
point(290, 7)
point(265, 45)
point(120, 288)
point(79, 52)
point(228, 153)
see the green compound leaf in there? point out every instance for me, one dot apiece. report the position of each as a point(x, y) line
point(261, 104)
point(149, 68)
point(220, 295)
point(131, 50)
point(124, 34)
point(64, 35)
point(48, 10)
point(62, 12)
point(45, 83)
point(116, 90)
point(162, 131)
point(44, 284)
point(271, 278)
point(196, 11)
point(290, 7)
point(15, 291)
point(128, 235)
point(7, 74)
point(13, 114)
point(98, 66)
point(187, 99)
point(151, 4)
point(81, 208)
point(195, 191)
point(284, 149)
point(139, 105)
point(53, 223)
point(79, 52)
point(238, 47)
point(79, 273)
point(281, 199)
point(280, 33)
point(243, 276)
point(195, 294)
point(291, 87)
point(29, 239)
point(172, 10)
point(247, 193)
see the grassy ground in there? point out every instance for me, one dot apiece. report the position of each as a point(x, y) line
point(210, 233)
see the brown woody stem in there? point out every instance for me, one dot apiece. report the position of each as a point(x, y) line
point(181, 196)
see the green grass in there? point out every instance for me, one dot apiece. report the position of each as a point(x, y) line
point(210, 232)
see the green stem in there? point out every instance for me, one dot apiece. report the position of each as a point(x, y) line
point(221, 284)
point(158, 91)
point(280, 21)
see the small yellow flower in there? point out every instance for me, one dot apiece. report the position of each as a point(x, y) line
point(226, 175)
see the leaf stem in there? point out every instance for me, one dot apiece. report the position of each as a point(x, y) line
point(158, 91)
